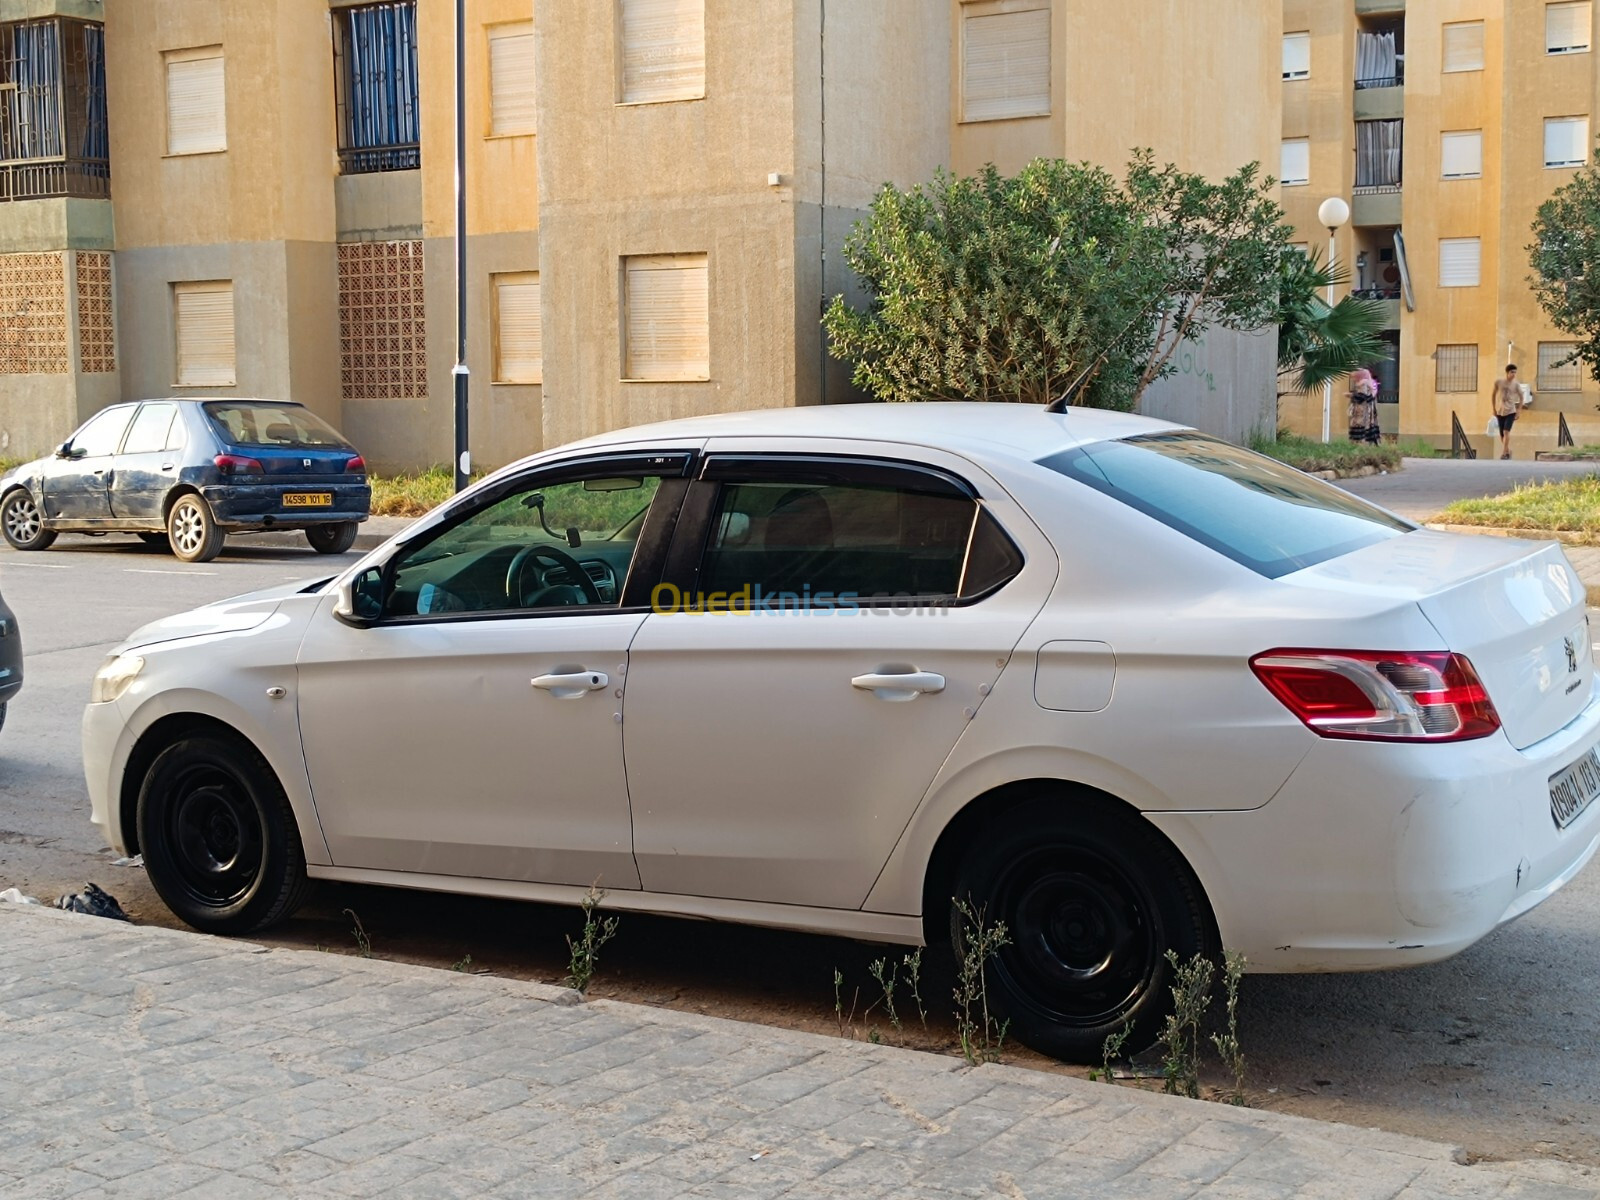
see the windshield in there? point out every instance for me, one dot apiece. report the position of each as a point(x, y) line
point(1258, 512)
point(241, 423)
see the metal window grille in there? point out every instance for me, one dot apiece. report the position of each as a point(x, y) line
point(375, 69)
point(1556, 374)
point(1456, 368)
point(53, 139)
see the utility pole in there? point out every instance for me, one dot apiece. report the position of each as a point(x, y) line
point(458, 373)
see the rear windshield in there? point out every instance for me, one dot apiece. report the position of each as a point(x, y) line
point(244, 424)
point(1260, 513)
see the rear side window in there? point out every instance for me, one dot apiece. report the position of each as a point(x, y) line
point(240, 423)
point(1260, 513)
point(151, 429)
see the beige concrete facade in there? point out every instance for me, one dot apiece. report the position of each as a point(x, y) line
point(1508, 99)
point(807, 109)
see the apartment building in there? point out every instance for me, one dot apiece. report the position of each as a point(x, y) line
point(213, 197)
point(1444, 124)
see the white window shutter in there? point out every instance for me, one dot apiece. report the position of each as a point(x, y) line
point(1568, 26)
point(1295, 166)
point(197, 110)
point(1005, 67)
point(1296, 55)
point(1459, 260)
point(512, 98)
point(1463, 46)
point(1566, 141)
point(668, 317)
point(519, 335)
point(1461, 154)
point(203, 317)
point(663, 50)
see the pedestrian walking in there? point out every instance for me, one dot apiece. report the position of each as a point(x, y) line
point(1507, 399)
point(1363, 407)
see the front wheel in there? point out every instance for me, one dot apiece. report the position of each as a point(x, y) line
point(333, 538)
point(219, 840)
point(192, 530)
point(1092, 900)
point(23, 523)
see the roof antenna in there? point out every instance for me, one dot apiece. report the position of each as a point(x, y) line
point(1059, 404)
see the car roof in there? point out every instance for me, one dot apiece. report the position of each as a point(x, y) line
point(1008, 430)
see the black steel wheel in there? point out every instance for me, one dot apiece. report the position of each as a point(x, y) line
point(1092, 899)
point(333, 538)
point(23, 523)
point(219, 840)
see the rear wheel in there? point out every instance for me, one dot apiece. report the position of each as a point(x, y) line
point(192, 530)
point(1092, 899)
point(23, 523)
point(333, 538)
point(219, 840)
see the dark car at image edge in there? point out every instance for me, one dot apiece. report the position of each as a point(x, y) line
point(185, 473)
point(10, 658)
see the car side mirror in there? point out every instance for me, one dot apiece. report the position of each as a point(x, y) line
point(360, 601)
point(64, 450)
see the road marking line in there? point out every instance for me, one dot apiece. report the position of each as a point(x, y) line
point(162, 571)
point(41, 566)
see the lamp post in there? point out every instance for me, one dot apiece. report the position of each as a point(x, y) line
point(458, 373)
point(1332, 212)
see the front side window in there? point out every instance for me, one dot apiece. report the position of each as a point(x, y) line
point(151, 429)
point(101, 433)
point(1257, 512)
point(375, 97)
point(544, 547)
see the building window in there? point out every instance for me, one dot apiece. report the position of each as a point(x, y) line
point(53, 110)
point(1463, 46)
point(382, 343)
point(97, 345)
point(197, 106)
point(512, 99)
point(1378, 153)
point(1005, 62)
point(518, 334)
point(667, 320)
point(1461, 154)
point(1567, 27)
point(375, 87)
point(1455, 368)
point(1303, 249)
point(1560, 370)
point(203, 321)
point(33, 315)
point(1458, 262)
point(1297, 56)
point(662, 49)
point(1566, 141)
point(1295, 165)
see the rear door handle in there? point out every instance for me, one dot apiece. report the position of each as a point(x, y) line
point(570, 685)
point(899, 686)
point(166, 466)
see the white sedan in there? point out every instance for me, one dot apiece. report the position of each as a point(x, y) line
point(1122, 686)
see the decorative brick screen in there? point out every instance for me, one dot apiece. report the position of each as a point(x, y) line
point(381, 331)
point(33, 315)
point(97, 343)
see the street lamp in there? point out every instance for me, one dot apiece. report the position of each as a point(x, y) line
point(1332, 212)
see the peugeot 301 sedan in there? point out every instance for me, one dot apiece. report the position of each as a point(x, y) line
point(1121, 686)
point(185, 473)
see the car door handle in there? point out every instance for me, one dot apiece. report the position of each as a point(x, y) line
point(570, 685)
point(166, 466)
point(899, 685)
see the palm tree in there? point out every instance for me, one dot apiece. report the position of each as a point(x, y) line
point(1317, 343)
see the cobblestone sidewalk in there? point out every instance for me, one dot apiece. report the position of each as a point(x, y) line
point(139, 1062)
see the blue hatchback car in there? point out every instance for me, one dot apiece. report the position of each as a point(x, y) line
point(185, 473)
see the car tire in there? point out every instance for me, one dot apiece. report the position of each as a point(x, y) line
point(220, 842)
point(23, 523)
point(152, 538)
point(192, 530)
point(3, 714)
point(333, 538)
point(1091, 899)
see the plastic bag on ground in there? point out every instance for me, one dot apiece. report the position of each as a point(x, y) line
point(94, 902)
point(14, 896)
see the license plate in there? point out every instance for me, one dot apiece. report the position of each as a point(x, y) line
point(308, 499)
point(1574, 788)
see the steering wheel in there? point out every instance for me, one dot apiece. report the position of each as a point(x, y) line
point(575, 572)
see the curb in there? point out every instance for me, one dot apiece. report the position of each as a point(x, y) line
point(1352, 472)
point(1567, 537)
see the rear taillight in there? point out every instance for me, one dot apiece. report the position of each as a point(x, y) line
point(1429, 696)
point(356, 466)
point(237, 464)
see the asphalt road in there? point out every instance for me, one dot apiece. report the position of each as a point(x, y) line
point(1494, 1050)
point(1427, 485)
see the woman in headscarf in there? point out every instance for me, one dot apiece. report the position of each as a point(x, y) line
point(1363, 407)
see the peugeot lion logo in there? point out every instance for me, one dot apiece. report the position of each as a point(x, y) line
point(1572, 656)
point(306, 463)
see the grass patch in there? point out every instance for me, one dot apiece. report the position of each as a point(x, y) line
point(1569, 505)
point(414, 494)
point(1341, 455)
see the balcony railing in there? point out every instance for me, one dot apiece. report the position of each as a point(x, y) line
point(1382, 81)
point(380, 158)
point(1375, 189)
point(84, 179)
